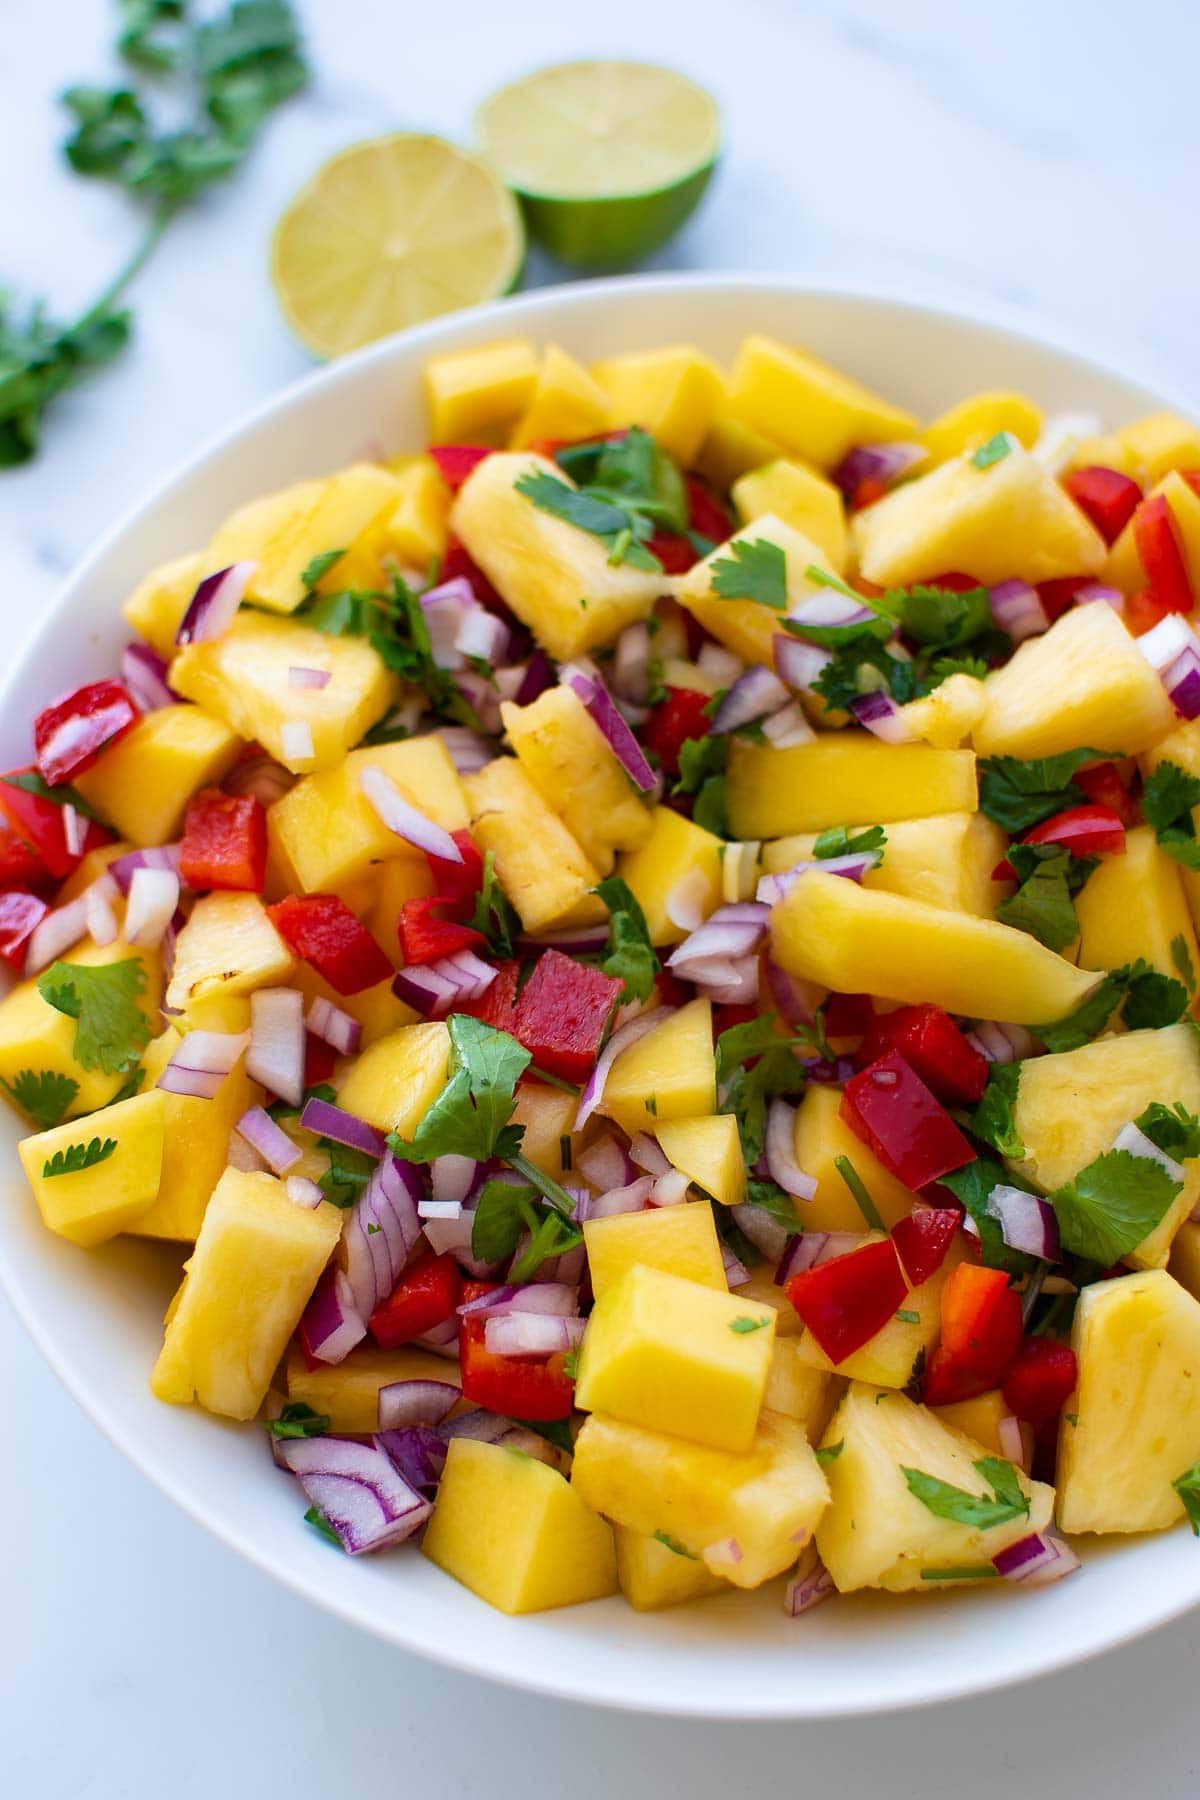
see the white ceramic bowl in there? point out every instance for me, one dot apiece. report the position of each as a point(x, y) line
point(96, 1315)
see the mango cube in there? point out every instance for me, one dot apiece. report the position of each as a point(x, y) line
point(548, 1116)
point(672, 393)
point(395, 1081)
point(143, 783)
point(676, 850)
point(474, 395)
point(797, 1389)
point(347, 1393)
point(803, 499)
point(36, 1037)
point(822, 1137)
point(567, 403)
point(95, 1203)
point(571, 764)
point(1136, 906)
point(671, 1073)
point(978, 1418)
point(709, 1152)
point(732, 448)
point(946, 860)
point(542, 869)
point(898, 1351)
point(399, 879)
point(1161, 443)
point(1185, 1257)
point(653, 1573)
point(195, 1145)
point(679, 1240)
point(851, 775)
point(157, 604)
point(977, 419)
point(228, 946)
point(761, 1287)
point(814, 410)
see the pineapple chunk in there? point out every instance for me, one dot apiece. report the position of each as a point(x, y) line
point(416, 530)
point(399, 879)
point(1185, 1257)
point(856, 940)
point(228, 946)
point(95, 1203)
point(347, 1393)
point(709, 1151)
point(676, 851)
point(680, 1240)
point(36, 1038)
point(567, 404)
point(761, 1286)
point(1009, 519)
point(555, 577)
point(897, 1352)
point(1083, 682)
point(257, 1259)
point(1071, 1106)
point(763, 1504)
point(195, 1145)
point(570, 763)
point(672, 393)
point(1124, 566)
point(803, 499)
point(1161, 443)
point(822, 1136)
point(548, 1116)
point(747, 628)
point(243, 677)
point(948, 716)
point(674, 1355)
point(732, 448)
point(798, 1390)
point(977, 419)
point(157, 604)
point(946, 860)
point(851, 776)
point(875, 1532)
point(474, 395)
point(978, 1418)
point(327, 831)
point(516, 1532)
point(813, 409)
point(1136, 1408)
point(541, 868)
point(393, 1084)
point(654, 1574)
point(142, 785)
point(671, 1073)
point(1135, 905)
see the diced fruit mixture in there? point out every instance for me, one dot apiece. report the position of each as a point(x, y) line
point(651, 976)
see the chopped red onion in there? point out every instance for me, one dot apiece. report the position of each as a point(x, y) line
point(1027, 1222)
point(539, 675)
point(772, 888)
point(272, 1143)
point(880, 715)
point(333, 1026)
point(381, 1231)
point(300, 677)
point(605, 1165)
point(276, 1053)
point(797, 663)
point(803, 1592)
point(621, 741)
point(469, 752)
point(630, 1198)
point(1166, 641)
point(1060, 438)
point(728, 935)
point(781, 1152)
point(648, 1154)
point(621, 1040)
point(214, 604)
point(1002, 1043)
point(74, 830)
point(296, 741)
point(1016, 1441)
point(303, 1192)
point(1136, 1143)
point(752, 696)
point(482, 637)
point(736, 1272)
point(828, 609)
point(201, 1062)
point(572, 937)
point(397, 815)
point(788, 727)
point(764, 1232)
point(631, 662)
point(1093, 591)
point(481, 695)
point(815, 1247)
point(797, 1000)
point(241, 1155)
point(101, 919)
point(480, 1425)
point(740, 987)
point(1182, 682)
point(671, 1189)
point(358, 1489)
point(144, 673)
point(439, 1209)
point(332, 1325)
point(688, 901)
point(876, 462)
point(444, 609)
point(435, 989)
point(1040, 1558)
point(527, 1335)
point(452, 1177)
point(417, 1451)
point(405, 1403)
point(327, 1120)
point(555, 1298)
point(1017, 609)
point(442, 1340)
point(153, 902)
point(123, 869)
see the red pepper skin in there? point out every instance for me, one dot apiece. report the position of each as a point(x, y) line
point(562, 1015)
point(675, 552)
point(425, 937)
point(933, 1046)
point(1103, 786)
point(457, 883)
point(1108, 498)
point(706, 515)
point(321, 930)
point(18, 863)
point(39, 824)
point(426, 1295)
point(848, 1016)
point(1084, 830)
point(508, 1384)
point(1041, 1381)
point(319, 1060)
point(890, 1108)
point(69, 734)
point(981, 1335)
point(20, 913)
point(456, 461)
point(497, 1005)
point(1143, 611)
point(954, 581)
point(844, 1302)
point(923, 1239)
point(456, 563)
point(673, 722)
point(672, 992)
point(1161, 554)
point(1058, 596)
point(224, 843)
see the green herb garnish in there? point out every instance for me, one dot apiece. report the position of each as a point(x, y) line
point(753, 571)
point(1007, 1499)
point(296, 1420)
point(77, 1157)
point(858, 1188)
point(112, 1030)
point(630, 956)
point(45, 1095)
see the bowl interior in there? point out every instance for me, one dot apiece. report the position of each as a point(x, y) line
point(97, 1315)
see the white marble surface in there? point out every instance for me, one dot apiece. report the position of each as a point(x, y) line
point(1044, 155)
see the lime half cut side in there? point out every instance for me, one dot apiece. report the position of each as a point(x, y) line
point(608, 158)
point(389, 233)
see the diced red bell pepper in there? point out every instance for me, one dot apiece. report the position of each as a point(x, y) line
point(981, 1335)
point(923, 1239)
point(673, 722)
point(848, 1016)
point(69, 734)
point(562, 1015)
point(932, 1045)
point(675, 552)
point(1084, 830)
point(497, 1005)
point(456, 565)
point(845, 1301)
point(706, 515)
point(724, 1018)
point(1041, 1381)
point(458, 882)
point(320, 1059)
point(18, 863)
point(1108, 498)
point(1161, 553)
point(955, 581)
point(1143, 611)
point(890, 1108)
point(426, 937)
point(1058, 596)
point(426, 1295)
point(39, 823)
point(321, 929)
point(224, 842)
point(869, 491)
point(671, 991)
point(20, 913)
point(1103, 786)
point(518, 1388)
point(456, 461)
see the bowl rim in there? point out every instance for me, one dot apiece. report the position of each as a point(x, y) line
point(996, 317)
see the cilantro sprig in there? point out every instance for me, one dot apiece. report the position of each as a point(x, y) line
point(394, 624)
point(470, 1117)
point(628, 490)
point(754, 570)
point(504, 1212)
point(994, 1119)
point(745, 1090)
point(1021, 794)
point(839, 840)
point(1043, 905)
point(494, 915)
point(630, 955)
point(702, 763)
point(77, 1157)
point(1168, 798)
point(972, 1184)
point(1006, 1501)
point(44, 1094)
point(1147, 1000)
point(1112, 1204)
point(1172, 1129)
point(111, 1030)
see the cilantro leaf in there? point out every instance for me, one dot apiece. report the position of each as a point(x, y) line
point(112, 1029)
point(1172, 1129)
point(702, 763)
point(1181, 956)
point(470, 1117)
point(622, 528)
point(320, 565)
point(829, 1453)
point(1042, 905)
point(743, 1326)
point(669, 1543)
point(745, 1091)
point(494, 913)
point(1153, 1000)
point(939, 618)
point(753, 571)
point(839, 840)
point(841, 681)
point(768, 1197)
point(1007, 1500)
point(993, 1119)
point(316, 1518)
point(972, 1184)
point(1187, 1486)
point(45, 1095)
point(77, 1157)
point(1148, 1000)
point(634, 471)
point(1168, 798)
point(504, 1212)
point(348, 1173)
point(1019, 795)
point(296, 1420)
point(394, 624)
point(1111, 1205)
point(994, 451)
point(630, 956)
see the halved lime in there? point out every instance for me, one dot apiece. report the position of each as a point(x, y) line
point(391, 232)
point(608, 158)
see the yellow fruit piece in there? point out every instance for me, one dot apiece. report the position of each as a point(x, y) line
point(93, 1204)
point(541, 868)
point(796, 1389)
point(897, 1353)
point(672, 393)
point(1136, 1408)
point(822, 1136)
point(1070, 1107)
point(876, 1533)
point(92, 865)
point(35, 1036)
point(709, 1151)
point(978, 1419)
point(803, 499)
point(378, 1010)
point(732, 448)
point(814, 410)
point(946, 860)
point(856, 940)
point(142, 785)
point(1124, 566)
point(516, 1532)
point(670, 1073)
point(555, 577)
point(761, 1287)
point(347, 1393)
point(566, 404)
point(570, 763)
point(744, 626)
point(947, 717)
point(416, 529)
point(257, 1260)
point(1161, 443)
point(1185, 1257)
point(228, 946)
point(976, 421)
point(771, 793)
point(1106, 452)
point(394, 1083)
point(243, 677)
point(195, 1144)
point(653, 1575)
point(1135, 906)
point(677, 851)
point(474, 395)
point(399, 879)
point(1084, 682)
point(157, 604)
point(764, 1503)
point(548, 1115)
point(680, 1240)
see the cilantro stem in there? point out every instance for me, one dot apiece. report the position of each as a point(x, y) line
point(160, 219)
point(857, 1186)
point(546, 1185)
point(1033, 1289)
